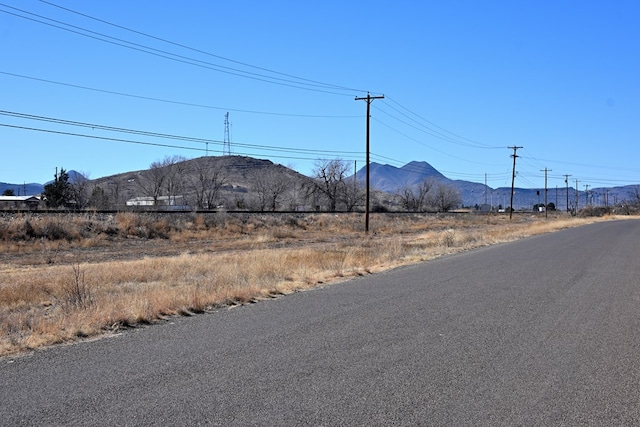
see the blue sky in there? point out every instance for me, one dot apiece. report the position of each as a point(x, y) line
point(462, 80)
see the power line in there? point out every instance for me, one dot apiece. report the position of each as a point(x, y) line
point(323, 88)
point(471, 142)
point(188, 104)
point(197, 50)
point(425, 145)
point(147, 143)
point(162, 135)
point(427, 131)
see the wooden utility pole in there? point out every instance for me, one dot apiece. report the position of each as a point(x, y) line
point(546, 215)
point(586, 195)
point(513, 177)
point(566, 181)
point(485, 190)
point(369, 99)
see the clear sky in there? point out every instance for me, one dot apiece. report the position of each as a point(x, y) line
point(462, 81)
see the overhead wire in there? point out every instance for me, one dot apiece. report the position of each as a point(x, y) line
point(197, 50)
point(323, 88)
point(429, 131)
point(421, 127)
point(188, 104)
point(422, 143)
point(459, 138)
point(268, 148)
point(147, 143)
point(421, 123)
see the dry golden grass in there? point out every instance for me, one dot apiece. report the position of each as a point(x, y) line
point(53, 291)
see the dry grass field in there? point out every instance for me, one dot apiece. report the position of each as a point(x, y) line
point(75, 276)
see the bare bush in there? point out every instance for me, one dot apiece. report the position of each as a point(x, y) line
point(77, 293)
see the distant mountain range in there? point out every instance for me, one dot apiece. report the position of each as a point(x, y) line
point(32, 189)
point(392, 179)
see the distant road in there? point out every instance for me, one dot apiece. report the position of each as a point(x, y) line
point(540, 332)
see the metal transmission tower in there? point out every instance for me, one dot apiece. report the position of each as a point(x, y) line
point(226, 147)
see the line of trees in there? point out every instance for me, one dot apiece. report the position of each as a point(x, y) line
point(202, 184)
point(429, 195)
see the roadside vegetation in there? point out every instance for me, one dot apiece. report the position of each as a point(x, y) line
point(74, 276)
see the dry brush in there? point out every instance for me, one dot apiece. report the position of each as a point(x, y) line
point(226, 260)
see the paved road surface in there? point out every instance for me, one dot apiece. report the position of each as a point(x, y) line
point(540, 332)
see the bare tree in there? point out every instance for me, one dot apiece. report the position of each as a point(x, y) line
point(354, 195)
point(152, 182)
point(207, 181)
point(444, 197)
point(99, 199)
point(166, 175)
point(271, 187)
point(330, 180)
point(174, 167)
point(295, 196)
point(415, 198)
point(80, 189)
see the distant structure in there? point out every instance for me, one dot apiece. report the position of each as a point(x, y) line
point(226, 148)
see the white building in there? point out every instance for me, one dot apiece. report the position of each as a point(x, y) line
point(163, 202)
point(20, 202)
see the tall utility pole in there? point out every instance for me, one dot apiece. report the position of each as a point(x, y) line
point(566, 181)
point(546, 215)
point(577, 194)
point(586, 194)
point(513, 177)
point(369, 99)
point(485, 190)
point(226, 147)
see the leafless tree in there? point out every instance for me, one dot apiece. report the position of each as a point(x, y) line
point(99, 199)
point(166, 175)
point(330, 180)
point(444, 197)
point(353, 195)
point(80, 190)
point(414, 198)
point(114, 192)
point(295, 196)
point(271, 187)
point(174, 167)
point(152, 182)
point(206, 181)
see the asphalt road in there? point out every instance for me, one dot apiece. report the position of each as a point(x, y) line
point(540, 332)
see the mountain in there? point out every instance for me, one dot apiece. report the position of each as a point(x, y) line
point(243, 176)
point(243, 173)
point(392, 179)
point(31, 189)
point(74, 176)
